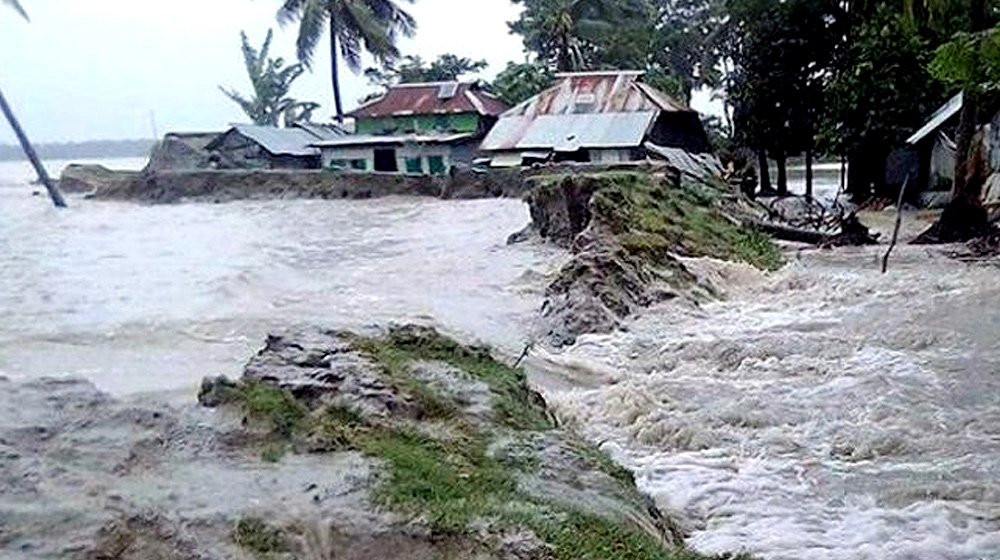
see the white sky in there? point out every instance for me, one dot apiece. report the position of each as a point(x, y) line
point(96, 69)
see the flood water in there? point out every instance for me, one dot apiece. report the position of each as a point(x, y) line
point(822, 412)
point(149, 298)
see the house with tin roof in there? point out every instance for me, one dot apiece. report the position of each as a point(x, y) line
point(424, 128)
point(597, 117)
point(247, 146)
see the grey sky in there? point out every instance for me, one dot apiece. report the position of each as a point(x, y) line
point(96, 69)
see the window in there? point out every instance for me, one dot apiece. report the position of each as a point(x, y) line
point(436, 166)
point(414, 165)
point(337, 164)
point(442, 122)
point(359, 164)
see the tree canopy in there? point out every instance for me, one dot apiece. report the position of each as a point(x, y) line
point(354, 26)
point(413, 70)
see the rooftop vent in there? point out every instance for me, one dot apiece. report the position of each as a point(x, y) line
point(448, 90)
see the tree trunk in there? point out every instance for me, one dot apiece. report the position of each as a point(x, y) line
point(335, 68)
point(809, 173)
point(859, 184)
point(564, 64)
point(29, 150)
point(765, 172)
point(782, 161)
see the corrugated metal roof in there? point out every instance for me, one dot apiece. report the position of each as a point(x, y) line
point(427, 99)
point(374, 139)
point(293, 141)
point(941, 116)
point(583, 110)
point(569, 133)
point(321, 131)
point(698, 165)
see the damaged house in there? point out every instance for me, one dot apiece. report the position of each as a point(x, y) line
point(928, 159)
point(598, 117)
point(416, 128)
point(246, 146)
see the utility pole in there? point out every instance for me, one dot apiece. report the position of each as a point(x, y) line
point(43, 176)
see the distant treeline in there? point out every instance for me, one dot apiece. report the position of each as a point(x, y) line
point(94, 149)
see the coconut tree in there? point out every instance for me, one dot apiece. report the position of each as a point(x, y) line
point(355, 27)
point(562, 30)
point(29, 150)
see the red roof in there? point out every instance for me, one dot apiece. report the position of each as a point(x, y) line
point(431, 99)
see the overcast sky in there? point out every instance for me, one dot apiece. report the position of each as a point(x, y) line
point(98, 69)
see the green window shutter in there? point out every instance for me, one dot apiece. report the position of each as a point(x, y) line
point(436, 165)
point(414, 165)
point(359, 164)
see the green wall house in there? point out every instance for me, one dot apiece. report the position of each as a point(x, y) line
point(417, 129)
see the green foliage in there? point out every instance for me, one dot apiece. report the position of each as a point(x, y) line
point(271, 81)
point(515, 404)
point(687, 44)
point(271, 407)
point(255, 535)
point(451, 484)
point(575, 35)
point(782, 54)
point(884, 92)
point(519, 82)
point(354, 27)
point(969, 60)
point(413, 70)
point(655, 220)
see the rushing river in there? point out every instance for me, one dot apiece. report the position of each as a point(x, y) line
point(151, 298)
point(825, 412)
point(822, 412)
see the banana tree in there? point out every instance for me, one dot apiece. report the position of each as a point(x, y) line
point(29, 150)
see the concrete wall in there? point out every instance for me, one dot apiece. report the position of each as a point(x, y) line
point(403, 153)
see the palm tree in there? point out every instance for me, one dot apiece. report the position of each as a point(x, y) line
point(29, 150)
point(355, 26)
point(565, 30)
point(17, 6)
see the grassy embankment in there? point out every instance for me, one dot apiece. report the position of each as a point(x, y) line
point(452, 470)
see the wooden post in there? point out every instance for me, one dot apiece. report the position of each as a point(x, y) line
point(29, 151)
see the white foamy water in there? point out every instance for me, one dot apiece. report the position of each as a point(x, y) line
point(150, 298)
point(825, 412)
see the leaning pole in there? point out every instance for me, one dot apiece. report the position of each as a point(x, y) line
point(43, 176)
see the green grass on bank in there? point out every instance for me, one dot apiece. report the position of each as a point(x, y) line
point(445, 468)
point(653, 219)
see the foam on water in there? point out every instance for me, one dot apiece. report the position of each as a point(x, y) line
point(825, 412)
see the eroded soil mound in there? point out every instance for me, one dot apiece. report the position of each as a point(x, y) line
point(626, 231)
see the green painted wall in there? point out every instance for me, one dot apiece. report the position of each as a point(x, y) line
point(461, 122)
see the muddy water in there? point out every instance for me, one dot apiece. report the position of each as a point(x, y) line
point(825, 412)
point(152, 298)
